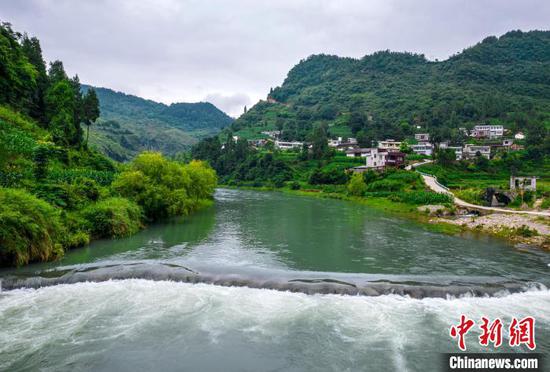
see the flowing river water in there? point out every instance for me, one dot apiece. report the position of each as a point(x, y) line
point(268, 282)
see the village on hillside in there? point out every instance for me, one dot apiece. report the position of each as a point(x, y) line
point(483, 141)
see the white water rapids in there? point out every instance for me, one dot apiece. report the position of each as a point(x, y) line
point(158, 325)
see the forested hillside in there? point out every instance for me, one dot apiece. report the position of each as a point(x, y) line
point(387, 95)
point(58, 193)
point(129, 124)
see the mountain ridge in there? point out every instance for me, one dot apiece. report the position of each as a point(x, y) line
point(129, 124)
point(502, 79)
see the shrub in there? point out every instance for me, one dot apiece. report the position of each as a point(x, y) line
point(357, 186)
point(165, 188)
point(113, 217)
point(30, 229)
point(421, 198)
point(295, 185)
point(385, 185)
point(328, 176)
point(525, 231)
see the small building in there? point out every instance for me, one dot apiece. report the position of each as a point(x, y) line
point(508, 142)
point(395, 158)
point(343, 144)
point(380, 158)
point(389, 144)
point(376, 158)
point(457, 150)
point(358, 152)
point(423, 148)
point(422, 137)
point(257, 142)
point(519, 136)
point(523, 183)
point(288, 145)
point(470, 151)
point(488, 131)
point(272, 133)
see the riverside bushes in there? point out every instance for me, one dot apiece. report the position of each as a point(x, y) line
point(30, 228)
point(112, 217)
point(165, 188)
point(421, 198)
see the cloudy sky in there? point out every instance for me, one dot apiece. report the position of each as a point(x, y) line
point(230, 52)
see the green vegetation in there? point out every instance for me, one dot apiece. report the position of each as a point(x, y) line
point(30, 228)
point(356, 185)
point(165, 188)
point(238, 164)
point(130, 124)
point(387, 95)
point(469, 179)
point(55, 192)
point(112, 217)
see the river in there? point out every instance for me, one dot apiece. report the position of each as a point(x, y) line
point(268, 282)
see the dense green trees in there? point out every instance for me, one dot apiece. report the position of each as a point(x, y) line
point(238, 163)
point(130, 124)
point(165, 188)
point(51, 98)
point(55, 192)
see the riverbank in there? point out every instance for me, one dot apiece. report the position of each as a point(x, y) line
point(521, 229)
point(516, 229)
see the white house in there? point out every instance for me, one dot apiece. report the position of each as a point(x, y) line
point(342, 142)
point(488, 131)
point(358, 152)
point(519, 136)
point(423, 148)
point(422, 137)
point(457, 150)
point(470, 151)
point(523, 183)
point(272, 133)
point(287, 145)
point(389, 145)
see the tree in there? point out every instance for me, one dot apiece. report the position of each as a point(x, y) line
point(56, 73)
point(304, 153)
point(445, 157)
point(319, 143)
point(90, 110)
point(357, 186)
point(17, 75)
point(404, 147)
point(32, 50)
point(60, 107)
point(365, 138)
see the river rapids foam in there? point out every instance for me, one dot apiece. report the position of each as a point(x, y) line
point(304, 282)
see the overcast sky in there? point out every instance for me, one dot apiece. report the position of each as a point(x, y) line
point(230, 52)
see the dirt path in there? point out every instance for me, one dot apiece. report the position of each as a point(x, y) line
point(432, 183)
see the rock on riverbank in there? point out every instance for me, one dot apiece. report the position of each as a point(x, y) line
point(518, 228)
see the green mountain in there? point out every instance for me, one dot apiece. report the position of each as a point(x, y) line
point(502, 80)
point(130, 124)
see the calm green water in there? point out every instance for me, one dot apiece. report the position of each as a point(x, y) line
point(150, 325)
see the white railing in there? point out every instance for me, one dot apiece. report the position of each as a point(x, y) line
point(435, 179)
